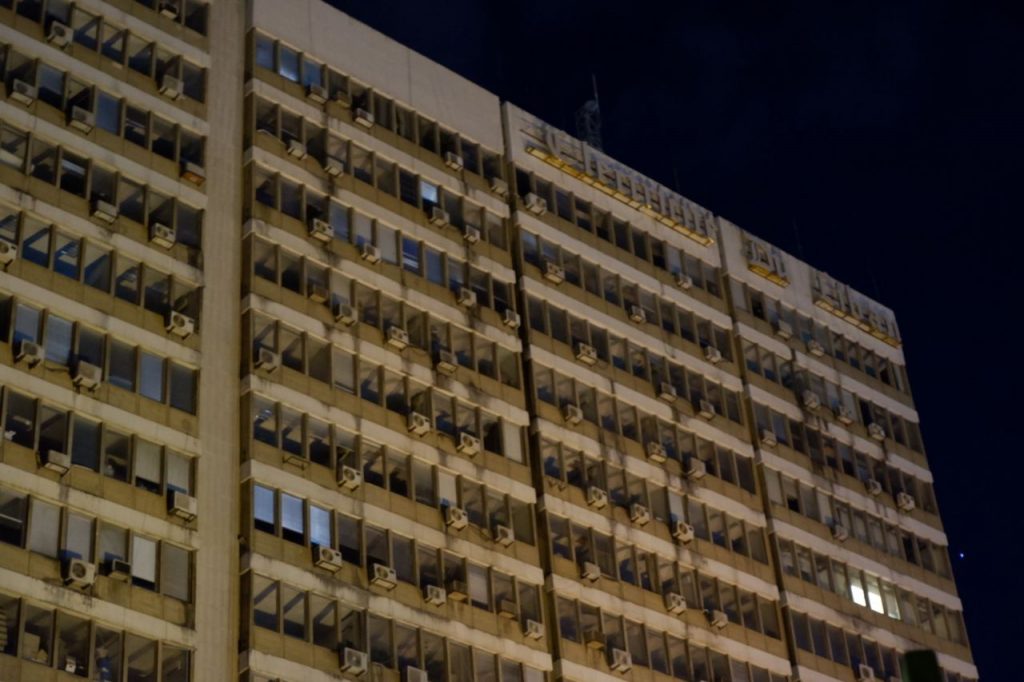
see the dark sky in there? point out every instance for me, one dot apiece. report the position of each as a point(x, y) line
point(880, 141)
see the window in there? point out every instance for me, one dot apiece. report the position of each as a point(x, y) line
point(264, 599)
point(12, 517)
point(121, 370)
point(143, 562)
point(151, 376)
point(44, 528)
point(175, 571)
point(263, 509)
point(140, 658)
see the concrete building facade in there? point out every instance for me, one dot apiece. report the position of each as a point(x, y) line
point(319, 361)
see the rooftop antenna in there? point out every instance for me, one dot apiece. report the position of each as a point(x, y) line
point(799, 244)
point(588, 120)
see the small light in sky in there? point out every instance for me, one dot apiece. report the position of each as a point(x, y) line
point(961, 555)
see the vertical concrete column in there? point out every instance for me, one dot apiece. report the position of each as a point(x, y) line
point(217, 561)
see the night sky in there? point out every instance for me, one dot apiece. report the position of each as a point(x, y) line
point(879, 141)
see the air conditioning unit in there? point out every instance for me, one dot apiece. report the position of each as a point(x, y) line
point(29, 351)
point(533, 629)
point(344, 313)
point(682, 531)
point(350, 478)
point(815, 348)
point(553, 272)
point(471, 235)
point(193, 172)
point(353, 661)
point(621, 661)
point(876, 431)
point(590, 571)
point(637, 314)
point(511, 319)
point(768, 438)
point(104, 210)
point(87, 375)
point(499, 187)
point(317, 93)
point(865, 673)
point(675, 603)
point(594, 639)
point(320, 230)
point(508, 609)
point(458, 590)
point(162, 235)
point(455, 517)
point(369, 253)
point(535, 204)
point(586, 353)
point(504, 535)
point(181, 505)
point(59, 35)
point(840, 533)
point(169, 8)
point(418, 424)
point(684, 282)
point(179, 324)
point(57, 461)
point(81, 119)
point(453, 161)
point(79, 573)
point(363, 118)
point(327, 558)
point(873, 486)
point(810, 400)
point(706, 410)
point(906, 502)
point(597, 498)
point(119, 569)
point(667, 392)
point(844, 415)
point(414, 674)
point(297, 149)
point(334, 167)
point(384, 576)
point(446, 362)
point(267, 360)
point(712, 355)
point(695, 468)
point(170, 86)
point(8, 252)
point(468, 444)
point(639, 514)
point(435, 595)
point(716, 618)
point(398, 338)
point(783, 329)
point(572, 414)
point(656, 452)
point(23, 93)
point(466, 297)
point(439, 216)
point(318, 293)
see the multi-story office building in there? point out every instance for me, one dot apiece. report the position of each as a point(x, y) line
point(319, 361)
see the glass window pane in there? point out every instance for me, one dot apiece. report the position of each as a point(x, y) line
point(140, 658)
point(58, 340)
point(44, 528)
point(13, 507)
point(175, 571)
point(143, 562)
point(151, 376)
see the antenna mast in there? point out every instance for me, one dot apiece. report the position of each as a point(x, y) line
point(588, 119)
